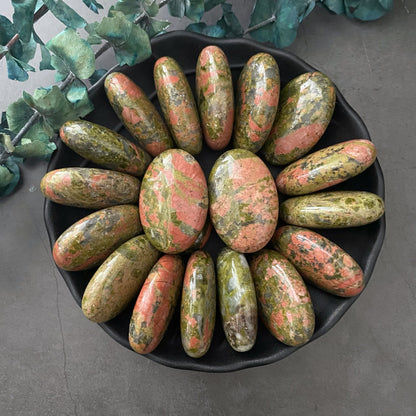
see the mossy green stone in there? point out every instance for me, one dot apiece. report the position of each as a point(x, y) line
point(237, 300)
point(284, 302)
point(198, 304)
point(337, 209)
point(119, 279)
point(90, 187)
point(305, 109)
point(104, 147)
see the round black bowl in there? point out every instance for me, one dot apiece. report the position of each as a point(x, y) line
point(363, 243)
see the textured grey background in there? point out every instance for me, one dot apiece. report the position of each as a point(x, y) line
point(53, 361)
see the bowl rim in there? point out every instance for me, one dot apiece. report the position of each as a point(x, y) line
point(368, 267)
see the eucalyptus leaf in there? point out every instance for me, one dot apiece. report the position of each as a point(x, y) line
point(130, 42)
point(52, 104)
point(130, 9)
point(214, 31)
point(6, 142)
point(77, 95)
point(23, 17)
point(6, 177)
point(97, 75)
point(151, 7)
point(34, 148)
point(367, 9)
point(65, 14)
point(153, 26)
point(229, 22)
point(18, 114)
point(62, 70)
point(7, 30)
point(177, 8)
point(91, 29)
point(93, 5)
point(210, 4)
point(15, 69)
point(287, 13)
point(24, 51)
point(336, 6)
point(194, 9)
point(45, 63)
point(74, 51)
point(7, 187)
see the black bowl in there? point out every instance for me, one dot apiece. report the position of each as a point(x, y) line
point(363, 243)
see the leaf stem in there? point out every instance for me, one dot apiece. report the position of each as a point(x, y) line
point(260, 25)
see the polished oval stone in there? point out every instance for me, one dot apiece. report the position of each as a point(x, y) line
point(137, 113)
point(284, 302)
point(257, 100)
point(215, 97)
point(336, 209)
point(244, 205)
point(319, 260)
point(326, 167)
point(173, 201)
point(306, 107)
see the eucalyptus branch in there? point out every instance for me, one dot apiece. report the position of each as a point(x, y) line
point(41, 12)
point(68, 80)
point(271, 19)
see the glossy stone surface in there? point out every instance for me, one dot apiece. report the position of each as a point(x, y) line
point(257, 100)
point(90, 187)
point(104, 147)
point(137, 113)
point(336, 209)
point(198, 304)
point(93, 238)
point(173, 201)
point(202, 238)
point(244, 204)
point(284, 302)
point(119, 279)
point(178, 105)
point(215, 97)
point(237, 300)
point(319, 260)
point(306, 106)
point(155, 304)
point(326, 167)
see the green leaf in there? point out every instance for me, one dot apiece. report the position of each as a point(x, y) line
point(18, 114)
point(16, 69)
point(151, 7)
point(130, 9)
point(153, 26)
point(97, 75)
point(24, 51)
point(130, 42)
point(287, 13)
point(229, 22)
point(23, 17)
point(52, 104)
point(6, 177)
point(7, 30)
point(93, 38)
point(62, 70)
point(177, 8)
point(77, 95)
point(210, 4)
point(45, 63)
point(93, 5)
point(214, 31)
point(367, 9)
point(336, 6)
point(194, 9)
point(74, 51)
point(8, 183)
point(34, 148)
point(6, 142)
point(65, 14)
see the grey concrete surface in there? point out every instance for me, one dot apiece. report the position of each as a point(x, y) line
point(53, 361)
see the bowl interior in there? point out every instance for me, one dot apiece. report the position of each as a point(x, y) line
point(363, 243)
